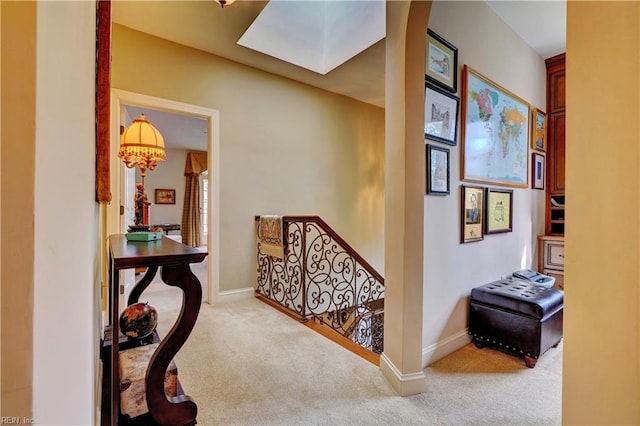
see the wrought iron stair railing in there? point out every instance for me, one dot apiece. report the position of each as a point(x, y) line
point(324, 278)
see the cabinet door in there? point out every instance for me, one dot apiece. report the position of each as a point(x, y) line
point(556, 125)
point(556, 84)
point(556, 91)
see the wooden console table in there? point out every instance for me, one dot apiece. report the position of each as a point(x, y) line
point(174, 259)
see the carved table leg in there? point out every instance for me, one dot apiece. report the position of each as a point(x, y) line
point(142, 285)
point(180, 410)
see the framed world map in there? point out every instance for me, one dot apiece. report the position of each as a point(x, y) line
point(495, 132)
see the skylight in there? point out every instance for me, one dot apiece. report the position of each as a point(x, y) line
point(316, 35)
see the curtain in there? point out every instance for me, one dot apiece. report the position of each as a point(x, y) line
point(190, 228)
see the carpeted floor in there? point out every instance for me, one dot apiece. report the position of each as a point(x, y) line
point(246, 363)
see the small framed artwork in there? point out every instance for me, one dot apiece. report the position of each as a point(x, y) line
point(437, 170)
point(499, 213)
point(537, 171)
point(440, 115)
point(165, 196)
point(441, 67)
point(472, 201)
point(539, 130)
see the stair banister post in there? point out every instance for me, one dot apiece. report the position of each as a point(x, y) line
point(304, 268)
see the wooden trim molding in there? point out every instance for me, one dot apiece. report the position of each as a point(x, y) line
point(103, 90)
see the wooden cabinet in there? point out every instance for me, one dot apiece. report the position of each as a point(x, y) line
point(551, 245)
point(555, 193)
point(551, 258)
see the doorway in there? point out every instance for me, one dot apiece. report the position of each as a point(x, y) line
point(134, 101)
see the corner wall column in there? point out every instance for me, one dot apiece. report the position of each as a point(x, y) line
point(401, 361)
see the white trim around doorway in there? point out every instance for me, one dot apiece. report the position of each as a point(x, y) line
point(123, 97)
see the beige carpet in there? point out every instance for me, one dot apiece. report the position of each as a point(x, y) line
point(246, 363)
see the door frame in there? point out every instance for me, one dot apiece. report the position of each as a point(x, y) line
point(122, 97)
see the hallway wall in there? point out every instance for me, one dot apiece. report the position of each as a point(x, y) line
point(168, 174)
point(285, 147)
point(452, 269)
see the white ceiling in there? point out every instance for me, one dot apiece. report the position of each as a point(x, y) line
point(541, 24)
point(203, 25)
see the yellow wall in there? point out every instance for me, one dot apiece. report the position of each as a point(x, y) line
point(601, 377)
point(285, 147)
point(66, 248)
point(17, 227)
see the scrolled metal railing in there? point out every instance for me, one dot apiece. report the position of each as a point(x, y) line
point(323, 277)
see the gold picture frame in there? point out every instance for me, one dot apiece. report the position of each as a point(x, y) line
point(499, 211)
point(495, 133)
point(472, 214)
point(539, 130)
point(165, 196)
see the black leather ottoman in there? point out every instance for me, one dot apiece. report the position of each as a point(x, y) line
point(517, 317)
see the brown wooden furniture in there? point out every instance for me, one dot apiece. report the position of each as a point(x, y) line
point(173, 258)
point(168, 227)
point(551, 258)
point(555, 194)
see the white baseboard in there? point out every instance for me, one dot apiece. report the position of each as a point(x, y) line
point(235, 295)
point(440, 349)
point(404, 384)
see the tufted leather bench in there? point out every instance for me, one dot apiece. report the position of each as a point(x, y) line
point(518, 317)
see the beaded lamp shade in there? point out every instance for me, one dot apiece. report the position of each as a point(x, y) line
point(141, 145)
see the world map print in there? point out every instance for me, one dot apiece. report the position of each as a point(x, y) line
point(496, 133)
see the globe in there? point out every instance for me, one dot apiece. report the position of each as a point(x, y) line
point(138, 320)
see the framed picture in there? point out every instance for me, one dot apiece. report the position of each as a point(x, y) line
point(499, 212)
point(440, 115)
point(441, 62)
point(165, 196)
point(539, 130)
point(437, 170)
point(495, 133)
point(537, 171)
point(472, 202)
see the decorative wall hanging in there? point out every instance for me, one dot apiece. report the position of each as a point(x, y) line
point(499, 212)
point(440, 115)
point(537, 171)
point(165, 196)
point(441, 62)
point(539, 130)
point(437, 170)
point(495, 133)
point(472, 202)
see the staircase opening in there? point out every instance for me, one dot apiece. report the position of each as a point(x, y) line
point(319, 279)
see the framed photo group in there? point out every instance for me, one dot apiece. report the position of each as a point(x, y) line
point(441, 107)
point(497, 128)
point(441, 85)
point(485, 211)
